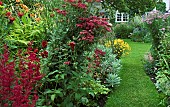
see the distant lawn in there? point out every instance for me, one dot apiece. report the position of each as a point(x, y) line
point(136, 88)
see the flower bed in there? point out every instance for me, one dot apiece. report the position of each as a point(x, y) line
point(52, 55)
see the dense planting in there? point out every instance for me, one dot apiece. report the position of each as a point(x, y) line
point(159, 60)
point(51, 56)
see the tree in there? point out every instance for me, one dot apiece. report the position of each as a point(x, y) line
point(132, 6)
point(161, 6)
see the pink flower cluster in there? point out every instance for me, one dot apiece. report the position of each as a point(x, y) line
point(155, 15)
point(18, 87)
point(90, 24)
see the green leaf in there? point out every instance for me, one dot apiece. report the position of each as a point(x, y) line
point(53, 97)
point(77, 96)
point(51, 73)
point(48, 91)
point(62, 76)
point(57, 91)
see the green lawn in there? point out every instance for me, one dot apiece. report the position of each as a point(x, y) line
point(136, 88)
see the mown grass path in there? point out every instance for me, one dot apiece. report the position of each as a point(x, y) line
point(136, 88)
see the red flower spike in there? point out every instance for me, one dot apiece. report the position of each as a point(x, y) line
point(1, 3)
point(44, 43)
point(19, 89)
point(72, 45)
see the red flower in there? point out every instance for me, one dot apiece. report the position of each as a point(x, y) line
point(81, 5)
point(44, 54)
point(67, 62)
point(71, 1)
point(44, 43)
point(72, 45)
point(8, 14)
point(63, 12)
point(20, 14)
point(11, 19)
point(99, 52)
point(98, 0)
point(52, 15)
point(89, 1)
point(1, 3)
point(36, 50)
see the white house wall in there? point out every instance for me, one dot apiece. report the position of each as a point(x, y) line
point(167, 4)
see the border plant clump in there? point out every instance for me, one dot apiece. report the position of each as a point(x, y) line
point(61, 64)
point(159, 58)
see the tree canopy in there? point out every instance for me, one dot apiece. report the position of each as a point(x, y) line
point(132, 6)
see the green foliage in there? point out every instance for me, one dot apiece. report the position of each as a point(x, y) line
point(110, 67)
point(132, 6)
point(140, 33)
point(136, 88)
point(3, 26)
point(123, 30)
point(67, 80)
point(158, 25)
point(24, 30)
point(149, 64)
point(161, 6)
point(112, 80)
point(163, 83)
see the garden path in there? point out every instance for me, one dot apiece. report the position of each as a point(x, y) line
point(136, 88)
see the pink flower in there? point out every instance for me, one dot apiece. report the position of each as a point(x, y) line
point(163, 29)
point(1, 3)
point(67, 62)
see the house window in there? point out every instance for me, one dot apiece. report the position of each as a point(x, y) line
point(125, 17)
point(122, 17)
point(119, 17)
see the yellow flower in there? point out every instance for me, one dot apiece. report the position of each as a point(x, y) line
point(37, 19)
point(18, 1)
point(108, 44)
point(32, 15)
point(24, 7)
point(37, 4)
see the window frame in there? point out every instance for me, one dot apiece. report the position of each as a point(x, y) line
point(121, 17)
